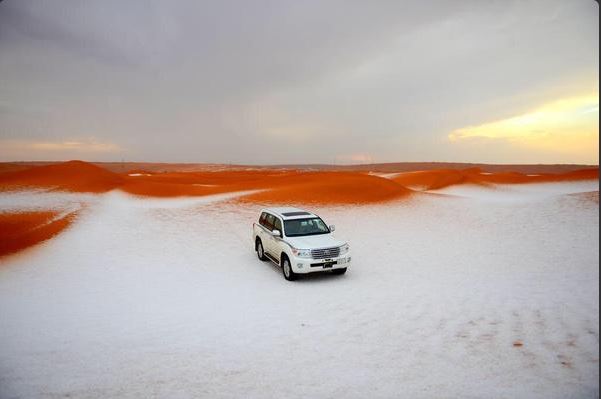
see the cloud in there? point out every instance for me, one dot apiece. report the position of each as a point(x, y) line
point(285, 81)
point(558, 117)
point(358, 158)
point(567, 126)
point(50, 150)
point(76, 146)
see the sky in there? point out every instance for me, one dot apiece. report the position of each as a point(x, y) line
point(286, 81)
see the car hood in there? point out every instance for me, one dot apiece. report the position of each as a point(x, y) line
point(315, 241)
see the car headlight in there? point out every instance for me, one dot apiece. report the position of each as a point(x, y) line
point(344, 249)
point(302, 253)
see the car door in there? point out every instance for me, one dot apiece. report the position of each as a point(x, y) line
point(275, 241)
point(268, 242)
point(261, 233)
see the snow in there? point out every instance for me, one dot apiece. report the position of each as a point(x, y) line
point(388, 175)
point(166, 298)
point(518, 193)
point(39, 200)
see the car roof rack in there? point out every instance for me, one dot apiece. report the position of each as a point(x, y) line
point(300, 213)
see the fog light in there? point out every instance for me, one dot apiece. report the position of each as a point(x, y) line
point(348, 259)
point(300, 265)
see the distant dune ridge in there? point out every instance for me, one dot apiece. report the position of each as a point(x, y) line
point(392, 167)
point(277, 185)
point(76, 176)
point(438, 179)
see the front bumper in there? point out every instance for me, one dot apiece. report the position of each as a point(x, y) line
point(307, 265)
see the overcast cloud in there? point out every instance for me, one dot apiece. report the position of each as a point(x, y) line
point(289, 81)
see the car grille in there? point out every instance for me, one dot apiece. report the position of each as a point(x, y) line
point(325, 253)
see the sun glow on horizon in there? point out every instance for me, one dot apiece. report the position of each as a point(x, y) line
point(17, 150)
point(569, 126)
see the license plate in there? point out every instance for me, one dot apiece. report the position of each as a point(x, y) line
point(327, 265)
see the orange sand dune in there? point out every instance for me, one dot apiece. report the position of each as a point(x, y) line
point(341, 187)
point(202, 183)
point(279, 186)
point(331, 188)
point(520, 178)
point(22, 230)
point(6, 167)
point(76, 176)
point(167, 189)
point(434, 179)
point(437, 179)
point(223, 177)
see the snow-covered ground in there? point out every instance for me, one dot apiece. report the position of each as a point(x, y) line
point(166, 298)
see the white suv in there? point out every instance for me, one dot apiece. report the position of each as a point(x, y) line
point(300, 242)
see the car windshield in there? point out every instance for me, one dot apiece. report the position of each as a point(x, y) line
point(305, 227)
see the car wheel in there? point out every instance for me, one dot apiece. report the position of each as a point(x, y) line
point(339, 271)
point(260, 250)
point(287, 269)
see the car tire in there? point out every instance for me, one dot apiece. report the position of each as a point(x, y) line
point(287, 269)
point(260, 250)
point(339, 271)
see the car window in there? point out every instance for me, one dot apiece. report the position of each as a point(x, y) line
point(269, 220)
point(305, 227)
point(278, 225)
point(262, 219)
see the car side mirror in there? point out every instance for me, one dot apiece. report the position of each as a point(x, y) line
point(276, 233)
point(332, 227)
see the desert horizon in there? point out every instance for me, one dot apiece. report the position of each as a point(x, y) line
point(405, 166)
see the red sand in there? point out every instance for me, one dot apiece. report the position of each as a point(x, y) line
point(77, 176)
point(202, 183)
point(282, 186)
point(331, 188)
point(437, 179)
point(519, 178)
point(22, 230)
point(433, 179)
